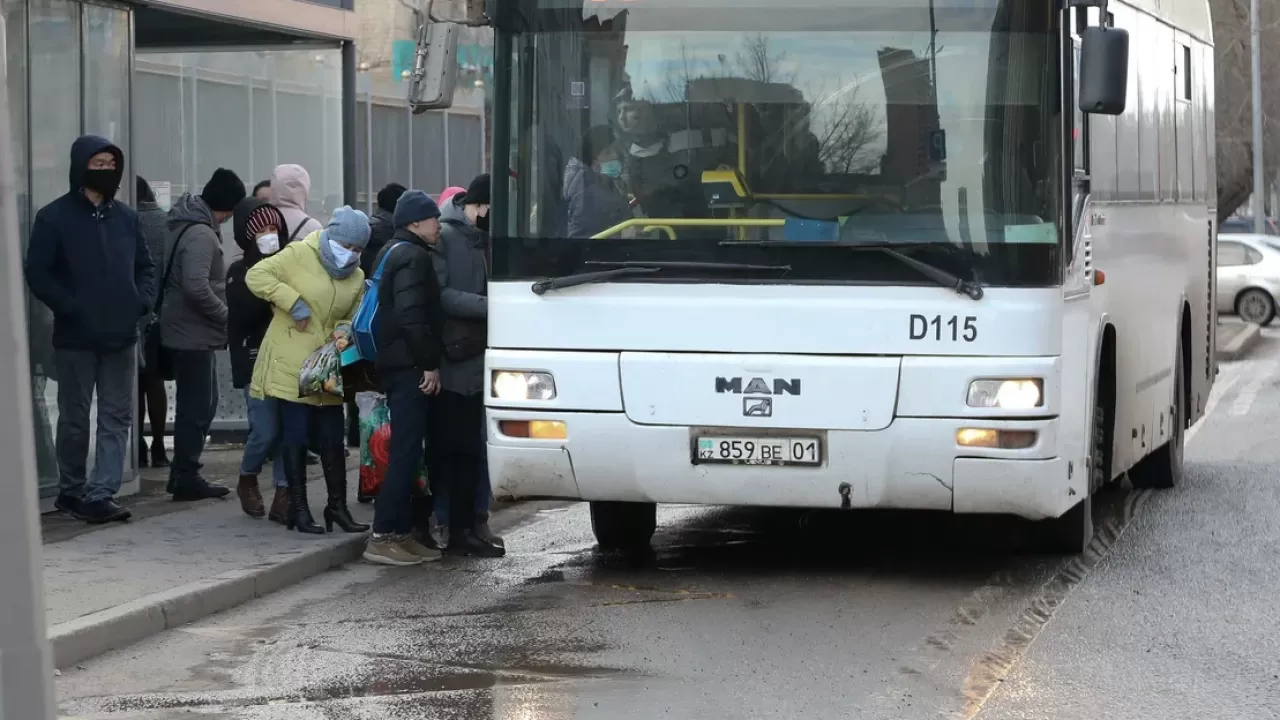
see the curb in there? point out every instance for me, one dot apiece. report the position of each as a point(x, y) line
point(1240, 345)
point(91, 635)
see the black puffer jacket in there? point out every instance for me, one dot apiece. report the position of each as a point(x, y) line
point(380, 231)
point(248, 316)
point(410, 317)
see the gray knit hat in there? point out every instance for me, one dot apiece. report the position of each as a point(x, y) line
point(349, 227)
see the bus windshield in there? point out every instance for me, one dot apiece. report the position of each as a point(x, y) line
point(721, 131)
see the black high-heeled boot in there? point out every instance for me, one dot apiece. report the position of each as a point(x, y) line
point(298, 515)
point(336, 511)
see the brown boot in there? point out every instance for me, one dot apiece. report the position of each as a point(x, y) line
point(250, 496)
point(279, 506)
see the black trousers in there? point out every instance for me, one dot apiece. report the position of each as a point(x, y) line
point(458, 455)
point(195, 375)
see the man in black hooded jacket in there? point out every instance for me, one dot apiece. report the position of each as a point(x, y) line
point(89, 263)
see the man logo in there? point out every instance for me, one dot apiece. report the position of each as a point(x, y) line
point(757, 407)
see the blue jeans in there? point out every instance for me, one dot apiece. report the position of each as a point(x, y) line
point(264, 438)
point(80, 374)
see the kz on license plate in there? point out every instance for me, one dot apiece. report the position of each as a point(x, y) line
point(759, 450)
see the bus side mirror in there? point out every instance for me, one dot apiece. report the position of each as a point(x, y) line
point(1104, 70)
point(435, 67)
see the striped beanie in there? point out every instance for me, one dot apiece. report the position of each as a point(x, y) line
point(263, 217)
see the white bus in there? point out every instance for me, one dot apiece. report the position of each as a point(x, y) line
point(849, 254)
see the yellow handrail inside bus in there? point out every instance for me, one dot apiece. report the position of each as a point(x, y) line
point(668, 224)
point(670, 231)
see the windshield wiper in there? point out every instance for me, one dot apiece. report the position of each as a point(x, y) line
point(934, 273)
point(628, 268)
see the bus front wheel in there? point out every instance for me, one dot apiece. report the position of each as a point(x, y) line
point(623, 525)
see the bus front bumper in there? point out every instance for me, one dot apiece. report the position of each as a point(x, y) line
point(915, 463)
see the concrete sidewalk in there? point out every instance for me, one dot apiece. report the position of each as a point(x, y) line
point(109, 586)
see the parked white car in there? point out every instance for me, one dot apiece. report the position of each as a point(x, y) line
point(1248, 276)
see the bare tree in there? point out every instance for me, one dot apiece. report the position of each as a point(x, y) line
point(848, 132)
point(756, 61)
point(1234, 99)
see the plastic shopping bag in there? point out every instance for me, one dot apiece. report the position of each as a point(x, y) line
point(322, 371)
point(375, 446)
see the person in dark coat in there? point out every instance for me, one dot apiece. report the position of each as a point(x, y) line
point(153, 398)
point(260, 231)
point(594, 200)
point(381, 225)
point(461, 261)
point(410, 322)
point(193, 325)
point(88, 261)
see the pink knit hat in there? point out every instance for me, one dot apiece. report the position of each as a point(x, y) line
point(449, 192)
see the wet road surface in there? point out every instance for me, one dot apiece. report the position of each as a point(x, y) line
point(1174, 612)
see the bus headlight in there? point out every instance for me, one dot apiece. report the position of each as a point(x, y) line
point(1007, 394)
point(519, 385)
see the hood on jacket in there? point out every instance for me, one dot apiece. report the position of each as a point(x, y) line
point(575, 173)
point(240, 227)
point(84, 148)
point(190, 208)
point(454, 215)
point(381, 216)
point(290, 187)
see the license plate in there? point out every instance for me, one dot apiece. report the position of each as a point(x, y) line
point(758, 450)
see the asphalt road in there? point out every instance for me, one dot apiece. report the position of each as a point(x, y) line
point(1174, 613)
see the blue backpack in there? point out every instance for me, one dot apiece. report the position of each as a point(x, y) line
point(365, 324)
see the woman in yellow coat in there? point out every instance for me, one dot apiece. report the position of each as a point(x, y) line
point(313, 286)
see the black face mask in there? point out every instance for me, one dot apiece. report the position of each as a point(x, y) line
point(106, 182)
point(482, 222)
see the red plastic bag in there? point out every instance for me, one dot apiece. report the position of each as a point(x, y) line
point(375, 446)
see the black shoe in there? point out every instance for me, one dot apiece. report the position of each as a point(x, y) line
point(469, 544)
point(159, 459)
point(198, 489)
point(483, 531)
point(298, 515)
point(336, 511)
point(69, 504)
point(99, 512)
point(428, 538)
point(142, 455)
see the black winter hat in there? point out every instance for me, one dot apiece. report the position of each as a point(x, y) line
point(223, 191)
point(478, 191)
point(389, 195)
point(414, 206)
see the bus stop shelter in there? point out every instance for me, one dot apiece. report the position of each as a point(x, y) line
point(183, 87)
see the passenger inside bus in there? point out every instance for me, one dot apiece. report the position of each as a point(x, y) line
point(593, 196)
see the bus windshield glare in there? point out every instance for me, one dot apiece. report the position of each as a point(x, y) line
point(754, 132)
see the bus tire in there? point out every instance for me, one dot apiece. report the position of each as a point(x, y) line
point(1162, 469)
point(1071, 533)
point(1256, 306)
point(623, 526)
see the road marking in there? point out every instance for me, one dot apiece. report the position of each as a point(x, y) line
point(1250, 392)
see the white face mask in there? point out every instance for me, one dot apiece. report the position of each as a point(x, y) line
point(345, 257)
point(269, 244)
